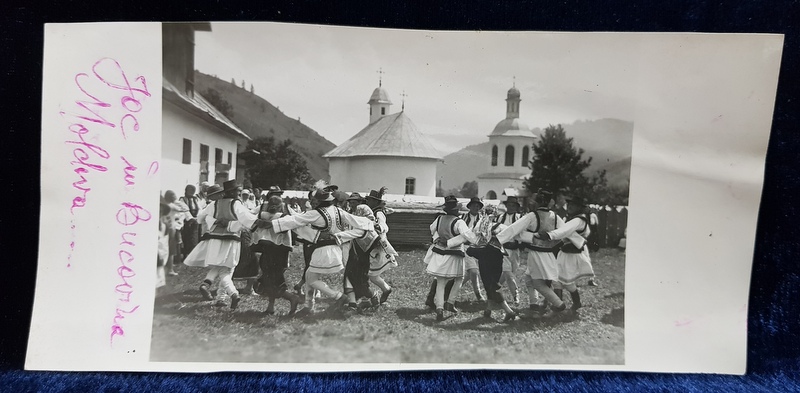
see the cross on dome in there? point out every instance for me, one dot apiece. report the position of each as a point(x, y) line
point(380, 76)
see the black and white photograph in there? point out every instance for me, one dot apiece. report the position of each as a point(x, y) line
point(355, 195)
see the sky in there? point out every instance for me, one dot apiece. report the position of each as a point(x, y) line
point(455, 82)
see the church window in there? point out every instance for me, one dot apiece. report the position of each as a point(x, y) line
point(370, 111)
point(491, 195)
point(509, 155)
point(187, 151)
point(383, 111)
point(494, 155)
point(410, 185)
point(525, 153)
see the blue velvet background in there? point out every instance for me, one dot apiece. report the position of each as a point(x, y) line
point(774, 343)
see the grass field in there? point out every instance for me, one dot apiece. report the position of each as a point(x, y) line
point(188, 329)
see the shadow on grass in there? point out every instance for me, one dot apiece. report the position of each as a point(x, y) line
point(477, 322)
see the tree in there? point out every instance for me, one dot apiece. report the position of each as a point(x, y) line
point(469, 189)
point(278, 164)
point(558, 165)
point(215, 99)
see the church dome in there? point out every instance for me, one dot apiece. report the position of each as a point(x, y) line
point(513, 93)
point(512, 127)
point(379, 96)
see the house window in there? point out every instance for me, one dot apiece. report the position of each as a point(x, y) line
point(410, 185)
point(230, 158)
point(203, 153)
point(187, 151)
point(509, 155)
point(494, 155)
point(217, 156)
point(525, 153)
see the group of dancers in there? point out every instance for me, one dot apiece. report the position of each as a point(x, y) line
point(347, 232)
point(493, 241)
point(338, 232)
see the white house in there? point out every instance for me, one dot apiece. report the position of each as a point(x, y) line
point(510, 152)
point(198, 143)
point(390, 152)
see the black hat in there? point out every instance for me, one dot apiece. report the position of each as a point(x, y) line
point(511, 199)
point(375, 198)
point(229, 185)
point(543, 196)
point(377, 195)
point(355, 197)
point(450, 203)
point(274, 190)
point(474, 200)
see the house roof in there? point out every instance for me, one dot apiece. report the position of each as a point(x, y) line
point(201, 108)
point(390, 135)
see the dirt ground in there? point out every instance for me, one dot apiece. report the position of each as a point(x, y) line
point(189, 329)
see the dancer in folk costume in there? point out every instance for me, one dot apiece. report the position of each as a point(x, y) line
point(471, 218)
point(489, 253)
point(470, 263)
point(308, 247)
point(573, 259)
point(446, 259)
point(220, 248)
point(512, 247)
point(542, 266)
point(382, 256)
point(328, 227)
point(274, 259)
point(190, 233)
point(356, 272)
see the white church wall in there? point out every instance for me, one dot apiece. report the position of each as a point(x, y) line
point(497, 185)
point(519, 144)
point(363, 174)
point(178, 124)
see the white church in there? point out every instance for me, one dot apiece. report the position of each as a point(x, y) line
point(510, 147)
point(390, 151)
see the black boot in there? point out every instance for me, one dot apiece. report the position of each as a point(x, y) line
point(576, 300)
point(204, 290)
point(235, 301)
point(294, 301)
point(450, 307)
point(439, 315)
point(431, 295)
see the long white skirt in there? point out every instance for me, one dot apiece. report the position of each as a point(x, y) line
point(448, 266)
point(542, 265)
point(214, 252)
point(571, 267)
point(326, 260)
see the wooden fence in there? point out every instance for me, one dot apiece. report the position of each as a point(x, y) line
point(611, 226)
point(412, 227)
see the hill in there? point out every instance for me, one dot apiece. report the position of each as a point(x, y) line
point(257, 117)
point(607, 141)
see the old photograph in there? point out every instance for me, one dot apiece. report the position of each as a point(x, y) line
point(353, 195)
